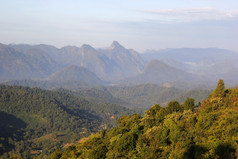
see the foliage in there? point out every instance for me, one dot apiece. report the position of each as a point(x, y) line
point(219, 91)
point(150, 94)
point(189, 103)
point(35, 122)
point(177, 131)
point(135, 97)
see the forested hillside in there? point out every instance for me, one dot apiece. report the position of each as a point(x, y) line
point(143, 96)
point(35, 122)
point(177, 131)
point(133, 97)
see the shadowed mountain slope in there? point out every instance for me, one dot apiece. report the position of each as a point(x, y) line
point(76, 74)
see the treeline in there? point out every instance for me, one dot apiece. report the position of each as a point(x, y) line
point(177, 131)
point(34, 122)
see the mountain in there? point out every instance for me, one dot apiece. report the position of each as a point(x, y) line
point(38, 58)
point(96, 62)
point(158, 72)
point(112, 63)
point(32, 63)
point(25, 61)
point(72, 77)
point(212, 63)
point(35, 122)
point(116, 63)
point(127, 60)
point(75, 74)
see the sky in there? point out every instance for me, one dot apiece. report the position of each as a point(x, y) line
point(137, 24)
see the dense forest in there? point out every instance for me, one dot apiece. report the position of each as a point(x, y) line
point(133, 97)
point(177, 131)
point(35, 122)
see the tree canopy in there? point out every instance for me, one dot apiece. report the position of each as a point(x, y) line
point(177, 131)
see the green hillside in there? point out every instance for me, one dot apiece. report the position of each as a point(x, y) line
point(177, 131)
point(143, 96)
point(133, 97)
point(35, 122)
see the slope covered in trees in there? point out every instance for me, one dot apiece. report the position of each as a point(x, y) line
point(133, 97)
point(177, 131)
point(35, 122)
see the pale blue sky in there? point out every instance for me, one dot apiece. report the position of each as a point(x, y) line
point(138, 24)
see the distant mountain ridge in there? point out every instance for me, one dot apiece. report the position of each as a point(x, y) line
point(15, 64)
point(112, 63)
point(211, 63)
point(116, 63)
point(158, 72)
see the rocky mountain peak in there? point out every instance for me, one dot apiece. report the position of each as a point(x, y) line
point(86, 47)
point(116, 45)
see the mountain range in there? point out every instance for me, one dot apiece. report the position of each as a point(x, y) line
point(202, 61)
point(40, 61)
point(115, 65)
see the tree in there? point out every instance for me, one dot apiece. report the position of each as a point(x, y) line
point(219, 91)
point(173, 106)
point(153, 110)
point(188, 104)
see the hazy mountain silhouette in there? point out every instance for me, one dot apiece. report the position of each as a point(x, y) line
point(116, 63)
point(211, 62)
point(31, 63)
point(76, 74)
point(158, 72)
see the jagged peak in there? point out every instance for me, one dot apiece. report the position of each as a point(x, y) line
point(115, 45)
point(86, 47)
